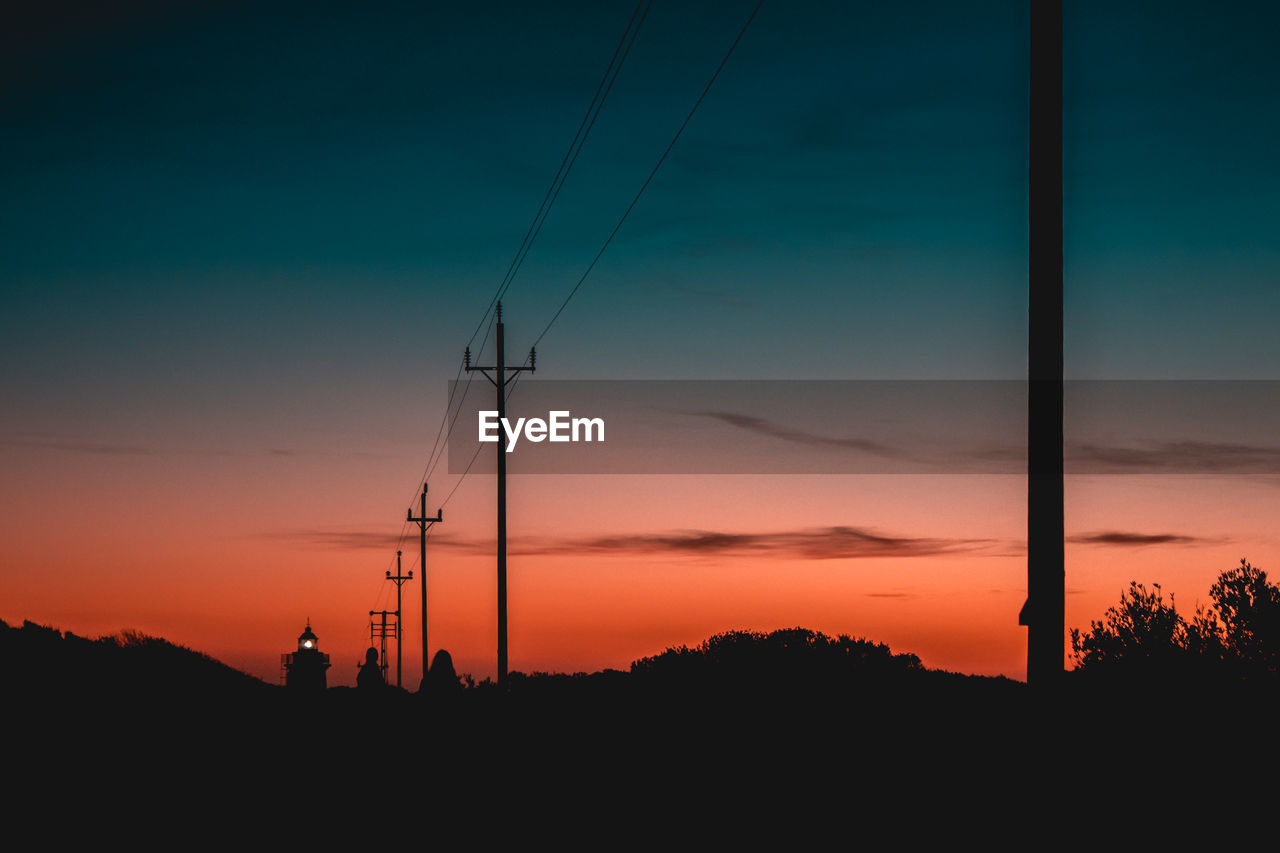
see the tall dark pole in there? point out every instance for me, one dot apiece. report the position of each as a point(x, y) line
point(1044, 613)
point(423, 524)
point(399, 579)
point(500, 386)
point(500, 380)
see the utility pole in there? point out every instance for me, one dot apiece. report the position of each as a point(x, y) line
point(424, 523)
point(399, 580)
point(380, 631)
point(500, 379)
point(1044, 613)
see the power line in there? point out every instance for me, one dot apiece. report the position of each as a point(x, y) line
point(462, 476)
point(452, 423)
point(535, 227)
point(643, 186)
point(553, 191)
point(605, 86)
point(570, 157)
point(516, 268)
point(656, 167)
point(426, 471)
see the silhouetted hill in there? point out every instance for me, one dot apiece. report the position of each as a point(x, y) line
point(743, 721)
point(791, 660)
point(789, 663)
point(39, 660)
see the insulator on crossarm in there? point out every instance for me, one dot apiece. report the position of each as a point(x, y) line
point(466, 357)
point(533, 358)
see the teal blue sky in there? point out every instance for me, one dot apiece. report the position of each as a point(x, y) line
point(1171, 180)
point(242, 207)
point(242, 246)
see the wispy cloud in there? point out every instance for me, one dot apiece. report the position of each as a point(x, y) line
point(343, 540)
point(815, 543)
point(944, 454)
point(1173, 457)
point(774, 430)
point(1140, 457)
point(1128, 539)
point(819, 543)
point(72, 446)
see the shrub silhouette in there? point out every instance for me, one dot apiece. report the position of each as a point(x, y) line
point(40, 660)
point(1142, 633)
point(1238, 636)
point(1249, 609)
point(787, 657)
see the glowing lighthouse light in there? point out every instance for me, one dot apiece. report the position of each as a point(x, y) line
point(306, 667)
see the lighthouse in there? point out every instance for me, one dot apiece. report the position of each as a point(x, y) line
point(305, 668)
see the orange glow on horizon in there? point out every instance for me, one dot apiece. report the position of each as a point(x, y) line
point(241, 589)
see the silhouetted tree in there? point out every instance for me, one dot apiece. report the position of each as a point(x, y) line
point(1238, 636)
point(785, 659)
point(1142, 635)
point(1249, 609)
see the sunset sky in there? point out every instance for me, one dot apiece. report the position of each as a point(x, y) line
point(243, 245)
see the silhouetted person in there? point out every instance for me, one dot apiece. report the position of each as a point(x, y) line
point(370, 675)
point(442, 678)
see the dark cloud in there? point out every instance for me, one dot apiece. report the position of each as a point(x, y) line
point(1150, 457)
point(769, 428)
point(91, 447)
point(1172, 457)
point(953, 459)
point(1122, 538)
point(820, 543)
point(343, 540)
point(817, 543)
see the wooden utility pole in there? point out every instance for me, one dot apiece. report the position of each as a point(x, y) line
point(500, 379)
point(424, 523)
point(399, 580)
point(380, 631)
point(1044, 612)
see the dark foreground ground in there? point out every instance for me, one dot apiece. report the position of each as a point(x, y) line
point(650, 749)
